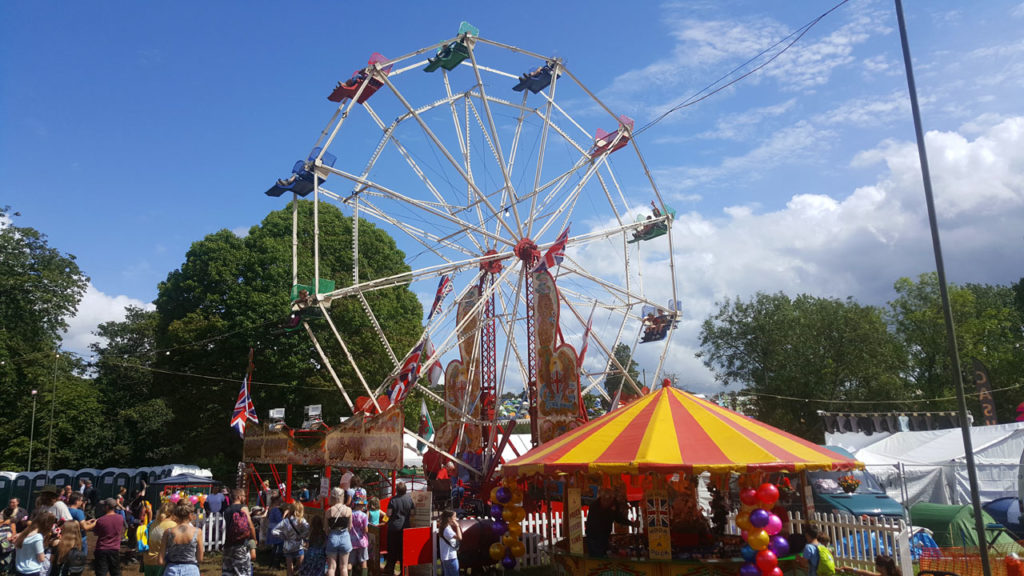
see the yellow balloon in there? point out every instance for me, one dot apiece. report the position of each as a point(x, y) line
point(743, 520)
point(520, 513)
point(517, 496)
point(508, 540)
point(758, 539)
point(515, 529)
point(497, 551)
point(517, 549)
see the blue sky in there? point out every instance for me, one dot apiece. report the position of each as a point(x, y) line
point(129, 131)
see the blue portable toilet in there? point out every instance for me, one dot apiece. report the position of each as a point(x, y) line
point(106, 486)
point(6, 485)
point(62, 478)
point(90, 474)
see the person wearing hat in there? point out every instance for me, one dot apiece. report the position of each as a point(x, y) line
point(47, 498)
point(357, 534)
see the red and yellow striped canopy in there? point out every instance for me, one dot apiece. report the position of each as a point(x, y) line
point(672, 431)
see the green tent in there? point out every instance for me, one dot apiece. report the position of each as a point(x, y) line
point(953, 525)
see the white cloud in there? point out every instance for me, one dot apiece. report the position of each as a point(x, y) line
point(1018, 11)
point(241, 231)
point(95, 309)
point(740, 126)
point(854, 243)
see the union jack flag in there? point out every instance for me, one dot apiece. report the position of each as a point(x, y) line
point(554, 256)
point(657, 512)
point(408, 376)
point(244, 408)
point(444, 287)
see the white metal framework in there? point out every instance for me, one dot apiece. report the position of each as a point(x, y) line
point(459, 169)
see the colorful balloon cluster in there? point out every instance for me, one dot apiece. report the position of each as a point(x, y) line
point(175, 497)
point(761, 531)
point(508, 513)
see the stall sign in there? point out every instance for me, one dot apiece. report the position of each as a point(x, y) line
point(659, 539)
point(575, 516)
point(558, 379)
point(423, 501)
point(362, 442)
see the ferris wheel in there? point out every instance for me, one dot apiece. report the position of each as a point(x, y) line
point(527, 215)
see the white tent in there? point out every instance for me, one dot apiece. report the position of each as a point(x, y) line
point(934, 468)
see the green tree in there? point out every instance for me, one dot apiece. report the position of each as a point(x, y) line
point(616, 379)
point(233, 293)
point(40, 288)
point(137, 432)
point(786, 350)
point(988, 326)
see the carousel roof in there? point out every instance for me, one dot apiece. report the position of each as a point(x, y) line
point(673, 431)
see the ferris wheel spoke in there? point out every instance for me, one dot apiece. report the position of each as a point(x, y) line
point(389, 133)
point(600, 343)
point(444, 151)
point(426, 207)
point(424, 238)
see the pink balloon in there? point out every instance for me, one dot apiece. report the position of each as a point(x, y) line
point(193, 499)
point(744, 534)
point(774, 525)
point(174, 498)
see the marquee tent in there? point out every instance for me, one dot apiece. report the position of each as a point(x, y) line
point(935, 468)
point(673, 431)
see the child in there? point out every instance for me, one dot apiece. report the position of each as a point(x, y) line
point(451, 537)
point(315, 562)
point(357, 532)
point(374, 511)
point(292, 530)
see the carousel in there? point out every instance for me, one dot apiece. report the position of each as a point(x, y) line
point(640, 471)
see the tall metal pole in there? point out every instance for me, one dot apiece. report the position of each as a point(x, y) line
point(947, 310)
point(32, 433)
point(53, 411)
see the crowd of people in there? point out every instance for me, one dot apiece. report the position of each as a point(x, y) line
point(53, 539)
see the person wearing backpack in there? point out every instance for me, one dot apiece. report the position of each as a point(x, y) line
point(826, 560)
point(293, 529)
point(237, 560)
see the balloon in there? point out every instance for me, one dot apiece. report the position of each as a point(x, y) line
point(744, 535)
point(775, 572)
point(767, 493)
point(758, 540)
point(499, 527)
point(766, 560)
point(193, 499)
point(779, 545)
point(748, 553)
point(496, 511)
point(504, 495)
point(508, 540)
point(749, 569)
point(518, 513)
point(759, 518)
point(174, 498)
point(517, 549)
point(515, 529)
point(774, 525)
point(496, 551)
point(517, 495)
point(494, 494)
point(748, 496)
point(508, 562)
point(743, 521)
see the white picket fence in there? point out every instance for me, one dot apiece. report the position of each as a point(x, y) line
point(857, 541)
point(214, 532)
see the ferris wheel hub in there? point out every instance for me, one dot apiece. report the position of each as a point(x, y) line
point(526, 250)
point(492, 266)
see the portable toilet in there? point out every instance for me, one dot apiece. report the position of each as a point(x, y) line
point(22, 488)
point(123, 478)
point(6, 485)
point(106, 486)
point(90, 474)
point(63, 478)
